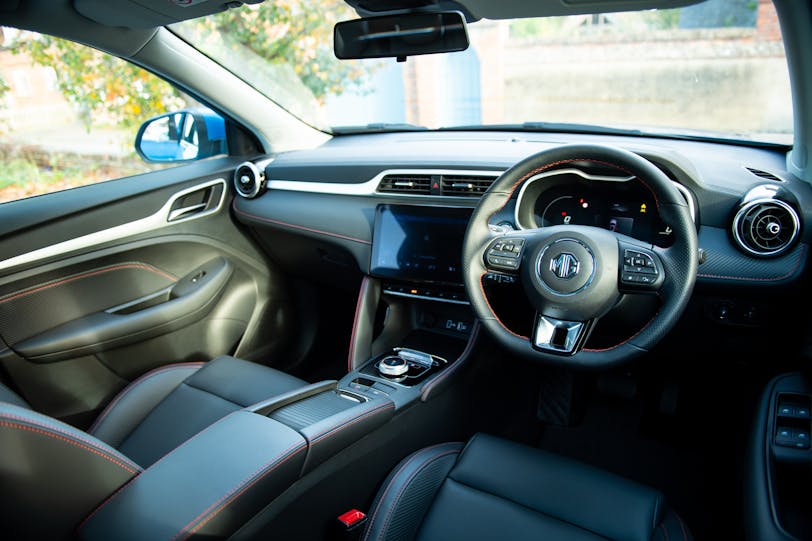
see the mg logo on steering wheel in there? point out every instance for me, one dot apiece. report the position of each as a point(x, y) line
point(565, 265)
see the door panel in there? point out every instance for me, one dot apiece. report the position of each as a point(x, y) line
point(91, 299)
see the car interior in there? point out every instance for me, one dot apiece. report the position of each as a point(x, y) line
point(543, 330)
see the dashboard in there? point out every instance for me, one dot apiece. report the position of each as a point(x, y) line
point(337, 211)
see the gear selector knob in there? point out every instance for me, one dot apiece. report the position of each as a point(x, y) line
point(393, 366)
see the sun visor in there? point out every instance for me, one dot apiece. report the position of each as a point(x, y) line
point(151, 13)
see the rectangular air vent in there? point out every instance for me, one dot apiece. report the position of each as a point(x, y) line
point(466, 185)
point(764, 174)
point(406, 183)
point(437, 183)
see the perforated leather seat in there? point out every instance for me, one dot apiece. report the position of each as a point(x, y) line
point(47, 466)
point(495, 489)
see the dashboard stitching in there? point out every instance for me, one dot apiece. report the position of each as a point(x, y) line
point(788, 274)
point(464, 356)
point(358, 303)
point(301, 227)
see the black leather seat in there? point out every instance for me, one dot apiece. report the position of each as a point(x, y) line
point(50, 469)
point(492, 489)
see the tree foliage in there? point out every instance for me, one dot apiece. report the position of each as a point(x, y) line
point(296, 32)
point(103, 87)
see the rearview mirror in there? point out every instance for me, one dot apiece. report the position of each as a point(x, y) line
point(399, 36)
point(186, 135)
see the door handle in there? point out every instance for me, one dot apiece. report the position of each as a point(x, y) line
point(195, 202)
point(176, 214)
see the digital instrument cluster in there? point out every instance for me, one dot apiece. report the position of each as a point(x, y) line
point(627, 208)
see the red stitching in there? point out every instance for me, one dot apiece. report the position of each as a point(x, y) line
point(105, 502)
point(132, 385)
point(643, 328)
point(469, 347)
point(296, 226)
point(88, 274)
point(665, 532)
point(75, 443)
point(391, 483)
point(351, 422)
point(499, 321)
point(358, 303)
point(682, 527)
point(231, 495)
point(181, 444)
point(749, 279)
point(408, 480)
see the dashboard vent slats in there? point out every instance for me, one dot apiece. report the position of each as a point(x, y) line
point(410, 184)
point(465, 185)
point(766, 228)
point(764, 174)
point(455, 185)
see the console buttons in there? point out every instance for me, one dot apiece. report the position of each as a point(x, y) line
point(505, 254)
point(789, 437)
point(500, 278)
point(786, 411)
point(638, 268)
point(792, 411)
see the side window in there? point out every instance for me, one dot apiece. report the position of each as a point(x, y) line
point(71, 115)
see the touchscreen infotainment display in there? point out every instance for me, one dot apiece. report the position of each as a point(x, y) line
point(419, 243)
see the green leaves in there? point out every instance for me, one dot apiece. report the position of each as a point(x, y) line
point(105, 90)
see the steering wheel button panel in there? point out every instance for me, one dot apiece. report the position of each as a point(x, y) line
point(639, 268)
point(505, 254)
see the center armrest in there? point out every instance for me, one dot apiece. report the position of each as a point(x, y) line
point(330, 419)
point(331, 433)
point(238, 464)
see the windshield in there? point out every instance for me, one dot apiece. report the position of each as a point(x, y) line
point(715, 69)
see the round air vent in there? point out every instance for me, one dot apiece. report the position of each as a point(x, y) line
point(249, 181)
point(766, 227)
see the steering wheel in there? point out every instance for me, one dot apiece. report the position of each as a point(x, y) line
point(574, 274)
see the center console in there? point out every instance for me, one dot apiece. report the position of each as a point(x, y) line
point(413, 321)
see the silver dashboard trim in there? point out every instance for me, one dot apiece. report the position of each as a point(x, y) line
point(158, 220)
point(370, 187)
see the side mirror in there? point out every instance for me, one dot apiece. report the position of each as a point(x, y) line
point(182, 136)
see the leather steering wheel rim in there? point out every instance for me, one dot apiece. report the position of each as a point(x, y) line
point(679, 261)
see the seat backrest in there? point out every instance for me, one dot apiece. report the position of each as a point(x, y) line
point(52, 475)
